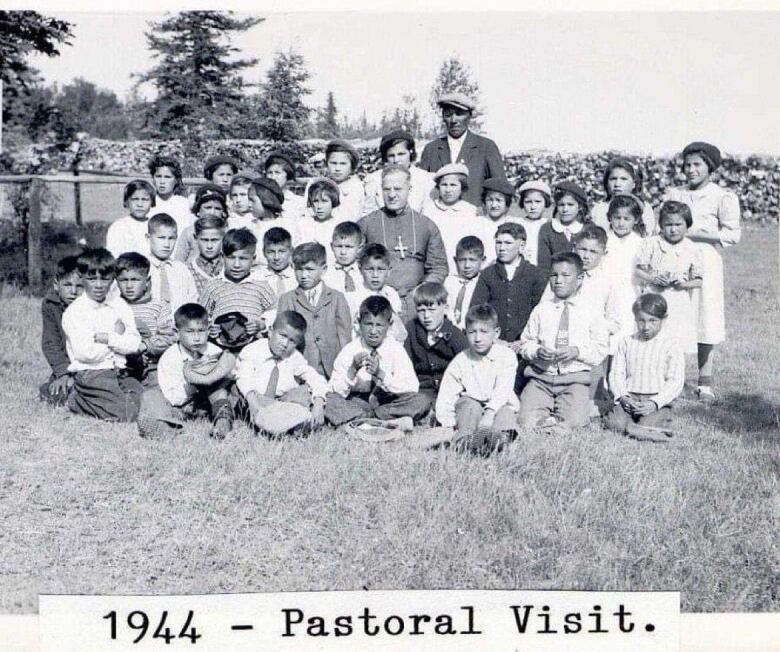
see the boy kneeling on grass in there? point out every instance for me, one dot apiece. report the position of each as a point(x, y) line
point(647, 374)
point(476, 396)
point(194, 378)
point(282, 390)
point(373, 376)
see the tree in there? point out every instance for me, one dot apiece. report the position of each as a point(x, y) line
point(23, 32)
point(454, 75)
point(405, 117)
point(200, 91)
point(82, 106)
point(328, 124)
point(282, 113)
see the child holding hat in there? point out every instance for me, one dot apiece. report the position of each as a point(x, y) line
point(715, 212)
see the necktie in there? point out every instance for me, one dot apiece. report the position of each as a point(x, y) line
point(373, 356)
point(349, 282)
point(165, 284)
point(562, 338)
point(459, 300)
point(312, 296)
point(273, 381)
point(279, 283)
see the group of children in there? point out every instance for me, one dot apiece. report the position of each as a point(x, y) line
point(241, 302)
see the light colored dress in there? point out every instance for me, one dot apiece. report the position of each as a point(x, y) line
point(715, 210)
point(620, 263)
point(681, 261)
point(455, 222)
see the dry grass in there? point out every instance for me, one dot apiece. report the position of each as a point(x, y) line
point(88, 507)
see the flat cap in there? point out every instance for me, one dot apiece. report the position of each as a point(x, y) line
point(271, 185)
point(571, 188)
point(457, 99)
point(498, 185)
point(538, 186)
point(709, 152)
point(451, 168)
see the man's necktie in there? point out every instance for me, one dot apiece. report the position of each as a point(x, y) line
point(279, 283)
point(562, 338)
point(312, 295)
point(349, 282)
point(273, 381)
point(165, 283)
point(459, 300)
point(373, 355)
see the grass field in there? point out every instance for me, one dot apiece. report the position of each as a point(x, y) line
point(88, 507)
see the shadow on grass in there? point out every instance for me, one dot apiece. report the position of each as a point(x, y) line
point(749, 414)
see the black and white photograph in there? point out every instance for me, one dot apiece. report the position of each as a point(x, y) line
point(366, 301)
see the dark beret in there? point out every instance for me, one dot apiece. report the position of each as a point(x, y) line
point(279, 156)
point(499, 185)
point(708, 152)
point(339, 145)
point(270, 185)
point(572, 188)
point(215, 161)
point(394, 136)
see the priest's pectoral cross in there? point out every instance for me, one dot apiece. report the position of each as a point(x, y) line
point(400, 248)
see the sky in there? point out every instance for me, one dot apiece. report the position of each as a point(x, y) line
point(640, 82)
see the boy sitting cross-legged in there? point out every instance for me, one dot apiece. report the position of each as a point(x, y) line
point(208, 264)
point(563, 340)
point(194, 378)
point(325, 310)
point(236, 300)
point(476, 396)
point(99, 332)
point(153, 317)
point(433, 339)
point(67, 287)
point(170, 279)
point(373, 375)
point(282, 391)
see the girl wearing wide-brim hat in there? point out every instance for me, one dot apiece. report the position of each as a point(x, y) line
point(716, 216)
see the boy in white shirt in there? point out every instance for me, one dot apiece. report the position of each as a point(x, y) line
point(563, 340)
point(194, 378)
point(476, 395)
point(282, 390)
point(100, 331)
point(171, 280)
point(346, 244)
point(277, 251)
point(469, 258)
point(373, 375)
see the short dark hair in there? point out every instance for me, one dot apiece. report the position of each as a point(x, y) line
point(188, 312)
point(347, 230)
point(507, 196)
point(377, 306)
point(652, 304)
point(560, 193)
point(132, 261)
point(276, 235)
point(243, 180)
point(482, 312)
point(388, 144)
point(625, 201)
point(634, 171)
point(207, 197)
point(292, 319)
point(374, 251)
point(160, 221)
point(675, 208)
point(324, 187)
point(66, 266)
point(138, 184)
point(568, 257)
point(173, 165)
point(309, 252)
point(238, 239)
point(210, 222)
point(430, 294)
point(269, 200)
point(515, 229)
point(591, 232)
point(97, 260)
point(275, 158)
point(470, 244)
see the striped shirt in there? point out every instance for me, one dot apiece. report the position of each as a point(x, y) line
point(655, 367)
point(154, 322)
point(251, 296)
point(203, 270)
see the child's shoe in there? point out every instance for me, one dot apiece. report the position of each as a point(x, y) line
point(222, 423)
point(705, 394)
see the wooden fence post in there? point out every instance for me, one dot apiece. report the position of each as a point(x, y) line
point(34, 258)
point(77, 196)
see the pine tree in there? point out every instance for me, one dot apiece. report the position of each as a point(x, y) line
point(282, 114)
point(454, 75)
point(328, 124)
point(200, 91)
point(23, 32)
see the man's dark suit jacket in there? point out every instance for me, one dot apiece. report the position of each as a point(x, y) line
point(479, 154)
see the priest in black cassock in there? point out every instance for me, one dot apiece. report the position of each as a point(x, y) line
point(413, 241)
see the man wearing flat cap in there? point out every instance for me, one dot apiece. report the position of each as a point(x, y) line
point(460, 145)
